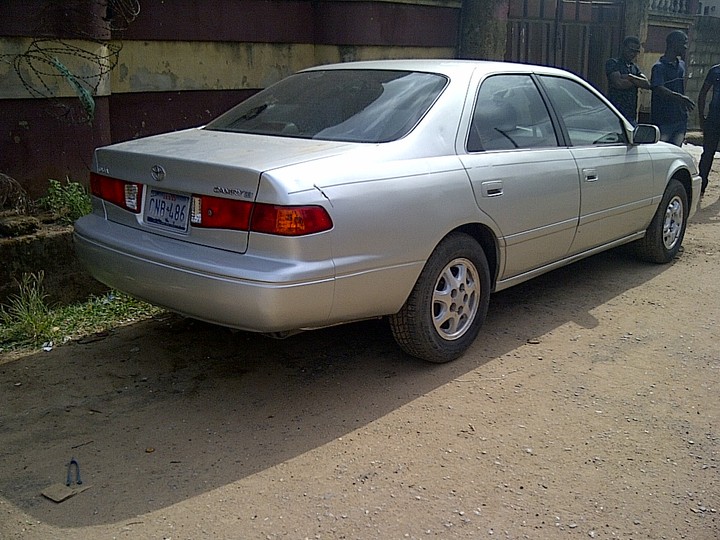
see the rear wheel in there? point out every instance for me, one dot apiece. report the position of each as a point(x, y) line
point(665, 234)
point(446, 308)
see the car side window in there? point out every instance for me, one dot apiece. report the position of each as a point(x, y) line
point(586, 117)
point(509, 113)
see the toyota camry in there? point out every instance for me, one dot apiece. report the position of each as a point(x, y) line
point(403, 189)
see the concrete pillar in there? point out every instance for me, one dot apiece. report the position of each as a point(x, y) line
point(636, 18)
point(483, 29)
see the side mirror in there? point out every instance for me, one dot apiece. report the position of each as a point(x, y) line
point(645, 134)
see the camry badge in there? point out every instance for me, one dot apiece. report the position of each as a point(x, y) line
point(158, 173)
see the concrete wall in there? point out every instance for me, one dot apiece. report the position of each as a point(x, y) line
point(709, 8)
point(704, 53)
point(53, 252)
point(178, 64)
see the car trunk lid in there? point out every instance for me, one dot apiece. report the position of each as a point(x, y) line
point(169, 169)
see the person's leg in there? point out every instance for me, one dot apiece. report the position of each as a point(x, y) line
point(665, 132)
point(679, 132)
point(673, 133)
point(711, 138)
point(678, 137)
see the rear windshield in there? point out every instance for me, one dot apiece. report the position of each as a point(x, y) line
point(337, 105)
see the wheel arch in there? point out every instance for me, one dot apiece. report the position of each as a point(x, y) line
point(682, 175)
point(484, 236)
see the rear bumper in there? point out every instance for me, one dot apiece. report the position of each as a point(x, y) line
point(222, 287)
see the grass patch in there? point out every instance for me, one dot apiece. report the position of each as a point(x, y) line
point(102, 313)
point(27, 319)
point(28, 323)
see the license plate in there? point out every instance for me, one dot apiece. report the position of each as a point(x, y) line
point(168, 210)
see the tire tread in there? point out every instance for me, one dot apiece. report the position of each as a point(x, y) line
point(650, 248)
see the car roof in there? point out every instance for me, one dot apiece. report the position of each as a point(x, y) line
point(445, 66)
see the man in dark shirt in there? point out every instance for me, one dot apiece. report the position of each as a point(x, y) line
point(670, 106)
point(709, 124)
point(624, 79)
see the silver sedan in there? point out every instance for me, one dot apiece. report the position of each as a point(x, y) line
point(408, 189)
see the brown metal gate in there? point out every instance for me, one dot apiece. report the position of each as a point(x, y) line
point(578, 35)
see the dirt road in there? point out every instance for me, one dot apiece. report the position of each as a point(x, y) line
point(587, 408)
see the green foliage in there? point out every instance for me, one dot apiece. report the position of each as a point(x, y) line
point(101, 313)
point(27, 323)
point(27, 320)
point(67, 202)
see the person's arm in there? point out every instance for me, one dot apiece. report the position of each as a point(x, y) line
point(639, 80)
point(615, 79)
point(682, 99)
point(702, 96)
point(620, 82)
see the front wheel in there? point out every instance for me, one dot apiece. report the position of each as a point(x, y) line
point(446, 308)
point(666, 231)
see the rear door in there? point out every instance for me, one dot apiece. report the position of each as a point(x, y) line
point(616, 177)
point(521, 177)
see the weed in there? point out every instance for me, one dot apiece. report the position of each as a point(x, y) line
point(100, 313)
point(27, 319)
point(67, 202)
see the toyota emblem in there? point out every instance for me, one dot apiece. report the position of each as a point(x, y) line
point(158, 173)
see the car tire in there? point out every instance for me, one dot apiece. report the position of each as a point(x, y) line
point(665, 234)
point(445, 310)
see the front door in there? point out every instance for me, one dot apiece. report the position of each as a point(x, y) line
point(616, 177)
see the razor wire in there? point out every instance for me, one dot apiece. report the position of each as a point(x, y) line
point(49, 62)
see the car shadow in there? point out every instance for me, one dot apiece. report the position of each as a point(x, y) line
point(167, 409)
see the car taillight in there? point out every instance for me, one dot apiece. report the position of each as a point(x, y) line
point(219, 213)
point(127, 195)
point(290, 220)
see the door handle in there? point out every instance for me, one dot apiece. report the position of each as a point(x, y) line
point(590, 175)
point(493, 188)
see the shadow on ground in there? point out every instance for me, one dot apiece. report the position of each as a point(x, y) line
point(167, 409)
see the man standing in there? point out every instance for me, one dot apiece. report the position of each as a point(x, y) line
point(624, 79)
point(670, 106)
point(709, 124)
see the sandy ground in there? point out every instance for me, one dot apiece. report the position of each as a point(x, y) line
point(587, 408)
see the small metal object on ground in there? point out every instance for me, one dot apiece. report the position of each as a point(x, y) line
point(78, 480)
point(61, 492)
